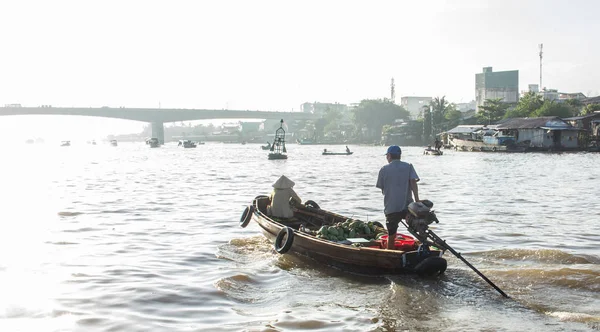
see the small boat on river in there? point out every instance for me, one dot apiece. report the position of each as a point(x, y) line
point(330, 153)
point(187, 144)
point(65, 143)
point(321, 235)
point(113, 142)
point(153, 142)
point(433, 152)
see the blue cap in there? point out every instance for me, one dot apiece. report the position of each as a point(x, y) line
point(394, 149)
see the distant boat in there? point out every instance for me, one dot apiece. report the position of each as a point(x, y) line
point(65, 143)
point(186, 144)
point(331, 153)
point(433, 152)
point(153, 142)
point(328, 153)
point(307, 141)
point(113, 142)
point(266, 147)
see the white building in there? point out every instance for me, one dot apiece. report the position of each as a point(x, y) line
point(414, 105)
point(465, 107)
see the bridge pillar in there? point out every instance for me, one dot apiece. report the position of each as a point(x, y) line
point(158, 131)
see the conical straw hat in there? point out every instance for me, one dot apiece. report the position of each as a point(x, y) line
point(283, 183)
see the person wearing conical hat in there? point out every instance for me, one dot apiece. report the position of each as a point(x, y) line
point(280, 198)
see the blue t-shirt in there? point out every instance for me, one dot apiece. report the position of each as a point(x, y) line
point(394, 180)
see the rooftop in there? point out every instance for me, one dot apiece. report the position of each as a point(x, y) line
point(530, 123)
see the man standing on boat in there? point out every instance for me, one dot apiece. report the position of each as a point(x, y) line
point(437, 144)
point(398, 183)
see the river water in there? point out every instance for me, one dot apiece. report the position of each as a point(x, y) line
point(128, 238)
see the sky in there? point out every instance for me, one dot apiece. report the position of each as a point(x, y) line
point(275, 55)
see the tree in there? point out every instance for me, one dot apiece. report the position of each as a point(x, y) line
point(576, 106)
point(552, 108)
point(427, 121)
point(373, 114)
point(332, 117)
point(439, 109)
point(453, 118)
point(590, 108)
point(492, 111)
point(319, 128)
point(527, 105)
point(332, 114)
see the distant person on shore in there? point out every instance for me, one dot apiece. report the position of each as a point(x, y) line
point(398, 183)
point(347, 149)
point(280, 198)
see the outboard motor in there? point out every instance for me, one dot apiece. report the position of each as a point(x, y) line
point(420, 216)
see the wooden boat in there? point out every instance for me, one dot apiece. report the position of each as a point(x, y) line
point(275, 156)
point(187, 144)
point(153, 142)
point(433, 152)
point(363, 254)
point(327, 153)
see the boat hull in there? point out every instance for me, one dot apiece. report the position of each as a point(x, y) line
point(337, 153)
point(433, 152)
point(275, 156)
point(476, 145)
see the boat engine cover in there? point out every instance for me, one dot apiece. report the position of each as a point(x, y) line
point(418, 209)
point(420, 217)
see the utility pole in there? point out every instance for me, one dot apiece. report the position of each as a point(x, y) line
point(393, 88)
point(541, 53)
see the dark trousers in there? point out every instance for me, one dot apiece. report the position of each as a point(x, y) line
point(392, 220)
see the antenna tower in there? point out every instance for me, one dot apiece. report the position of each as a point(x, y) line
point(541, 54)
point(393, 90)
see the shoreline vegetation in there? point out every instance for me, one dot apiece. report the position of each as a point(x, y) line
point(376, 122)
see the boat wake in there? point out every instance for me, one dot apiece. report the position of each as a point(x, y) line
point(575, 317)
point(547, 256)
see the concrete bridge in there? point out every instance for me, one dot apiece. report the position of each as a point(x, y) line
point(156, 116)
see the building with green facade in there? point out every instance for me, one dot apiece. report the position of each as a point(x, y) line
point(493, 85)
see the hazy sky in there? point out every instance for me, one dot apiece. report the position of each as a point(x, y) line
point(275, 55)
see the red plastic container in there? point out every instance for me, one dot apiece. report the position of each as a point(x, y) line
point(403, 242)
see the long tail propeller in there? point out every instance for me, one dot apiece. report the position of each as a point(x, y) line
point(427, 234)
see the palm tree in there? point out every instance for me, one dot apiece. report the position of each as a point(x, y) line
point(439, 109)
